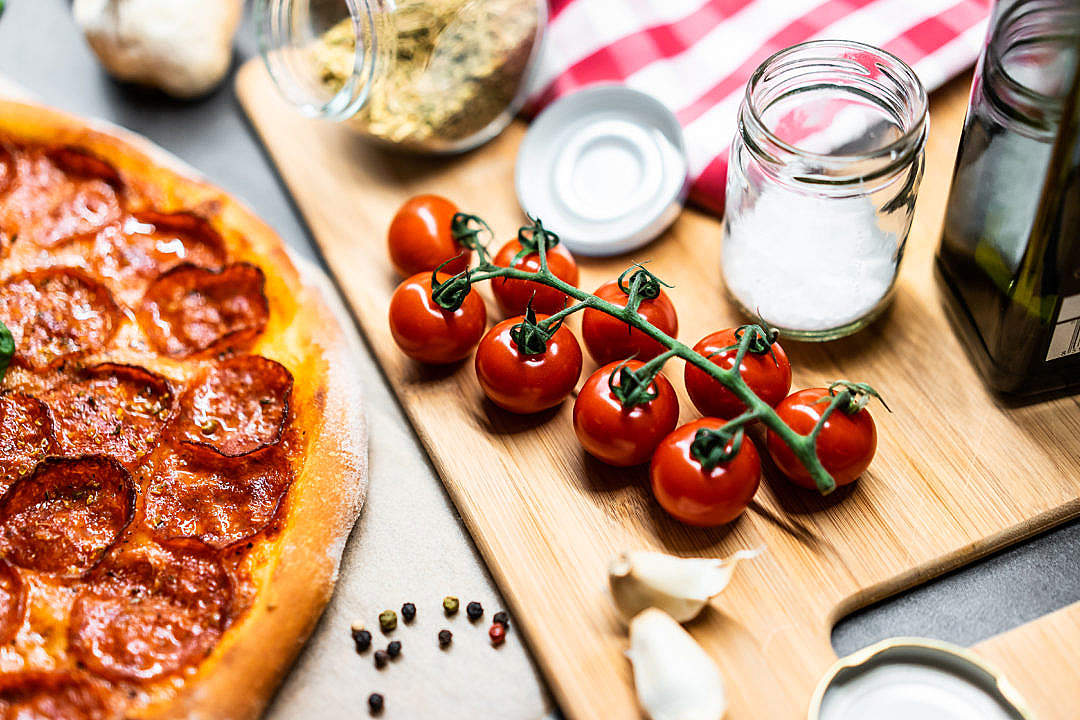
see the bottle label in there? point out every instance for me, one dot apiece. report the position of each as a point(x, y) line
point(1066, 338)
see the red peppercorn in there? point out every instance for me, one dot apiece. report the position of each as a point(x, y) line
point(497, 633)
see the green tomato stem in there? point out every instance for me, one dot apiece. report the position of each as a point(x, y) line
point(803, 446)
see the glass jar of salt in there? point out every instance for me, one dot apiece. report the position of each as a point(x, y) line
point(822, 178)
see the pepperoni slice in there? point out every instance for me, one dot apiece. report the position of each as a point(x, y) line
point(55, 314)
point(147, 244)
point(190, 309)
point(25, 436)
point(218, 503)
point(60, 196)
point(81, 163)
point(110, 409)
point(12, 602)
point(65, 514)
point(51, 696)
point(149, 611)
point(239, 406)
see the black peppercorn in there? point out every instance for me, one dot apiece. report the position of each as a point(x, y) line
point(375, 702)
point(381, 658)
point(474, 610)
point(445, 636)
point(394, 648)
point(501, 618)
point(361, 637)
point(408, 612)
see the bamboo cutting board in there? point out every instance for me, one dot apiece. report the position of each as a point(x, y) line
point(956, 475)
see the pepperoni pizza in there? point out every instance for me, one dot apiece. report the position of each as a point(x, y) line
point(181, 445)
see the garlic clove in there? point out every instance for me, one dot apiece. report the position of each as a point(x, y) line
point(674, 677)
point(681, 587)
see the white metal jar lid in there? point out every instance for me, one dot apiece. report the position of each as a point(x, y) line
point(604, 168)
point(909, 678)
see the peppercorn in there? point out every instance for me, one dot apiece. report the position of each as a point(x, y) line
point(361, 637)
point(501, 618)
point(474, 610)
point(387, 620)
point(394, 648)
point(445, 636)
point(381, 658)
point(497, 633)
point(450, 604)
point(375, 702)
point(408, 612)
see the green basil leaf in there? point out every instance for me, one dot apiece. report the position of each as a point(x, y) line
point(7, 346)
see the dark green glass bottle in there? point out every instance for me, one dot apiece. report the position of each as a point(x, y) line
point(1010, 249)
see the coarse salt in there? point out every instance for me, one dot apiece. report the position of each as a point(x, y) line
point(808, 263)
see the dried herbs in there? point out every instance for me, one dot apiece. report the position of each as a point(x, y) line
point(454, 67)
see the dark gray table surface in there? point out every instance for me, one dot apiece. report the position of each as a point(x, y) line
point(41, 49)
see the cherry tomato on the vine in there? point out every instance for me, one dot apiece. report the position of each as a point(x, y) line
point(697, 496)
point(428, 333)
point(618, 435)
point(845, 446)
point(513, 295)
point(523, 383)
point(767, 374)
point(420, 237)
point(609, 339)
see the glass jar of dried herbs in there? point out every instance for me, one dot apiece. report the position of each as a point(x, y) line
point(425, 75)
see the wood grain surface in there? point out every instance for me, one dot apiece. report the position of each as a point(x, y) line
point(957, 474)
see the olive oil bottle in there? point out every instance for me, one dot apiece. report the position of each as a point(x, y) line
point(1010, 249)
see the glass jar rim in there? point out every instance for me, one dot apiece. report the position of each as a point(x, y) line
point(883, 160)
point(274, 33)
point(1037, 109)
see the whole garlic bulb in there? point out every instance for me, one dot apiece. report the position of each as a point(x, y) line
point(183, 47)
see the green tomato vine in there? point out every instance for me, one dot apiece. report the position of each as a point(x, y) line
point(710, 447)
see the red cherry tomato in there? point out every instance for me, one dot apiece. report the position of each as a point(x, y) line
point(768, 375)
point(845, 446)
point(697, 496)
point(609, 339)
point(617, 435)
point(428, 333)
point(514, 295)
point(524, 383)
point(420, 238)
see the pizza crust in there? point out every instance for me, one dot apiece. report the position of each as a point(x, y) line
point(295, 570)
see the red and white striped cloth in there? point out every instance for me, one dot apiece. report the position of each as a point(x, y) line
point(696, 55)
